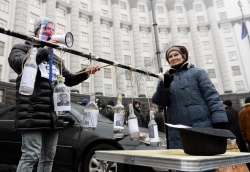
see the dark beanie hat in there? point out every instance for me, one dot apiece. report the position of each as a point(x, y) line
point(228, 103)
point(181, 49)
point(247, 100)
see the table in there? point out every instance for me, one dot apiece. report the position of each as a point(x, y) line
point(174, 159)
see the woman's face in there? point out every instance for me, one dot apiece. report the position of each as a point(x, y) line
point(175, 58)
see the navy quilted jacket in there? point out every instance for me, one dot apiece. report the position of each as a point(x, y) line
point(191, 99)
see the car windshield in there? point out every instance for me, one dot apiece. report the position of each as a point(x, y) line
point(77, 110)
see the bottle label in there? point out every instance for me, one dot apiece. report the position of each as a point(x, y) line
point(28, 77)
point(133, 125)
point(44, 69)
point(62, 101)
point(118, 121)
point(90, 118)
point(153, 133)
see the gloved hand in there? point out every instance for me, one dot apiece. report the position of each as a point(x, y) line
point(167, 80)
point(220, 125)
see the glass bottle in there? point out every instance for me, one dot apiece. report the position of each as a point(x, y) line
point(133, 124)
point(90, 115)
point(61, 96)
point(119, 116)
point(153, 130)
point(29, 74)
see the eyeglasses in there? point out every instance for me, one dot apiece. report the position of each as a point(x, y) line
point(49, 28)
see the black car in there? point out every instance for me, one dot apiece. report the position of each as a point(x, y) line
point(76, 147)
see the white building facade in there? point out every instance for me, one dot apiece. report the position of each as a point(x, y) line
point(122, 31)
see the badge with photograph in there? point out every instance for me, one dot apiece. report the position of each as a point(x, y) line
point(47, 29)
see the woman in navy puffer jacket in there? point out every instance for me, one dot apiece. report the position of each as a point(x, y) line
point(191, 98)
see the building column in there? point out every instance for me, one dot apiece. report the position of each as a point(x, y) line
point(137, 45)
point(51, 9)
point(220, 55)
point(74, 28)
point(118, 46)
point(172, 22)
point(20, 24)
point(195, 36)
point(97, 46)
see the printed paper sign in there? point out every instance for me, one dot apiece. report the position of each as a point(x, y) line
point(61, 101)
point(90, 118)
point(44, 69)
point(118, 121)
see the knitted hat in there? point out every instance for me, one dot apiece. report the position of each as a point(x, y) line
point(181, 49)
point(228, 103)
point(85, 101)
point(247, 100)
point(38, 22)
point(204, 141)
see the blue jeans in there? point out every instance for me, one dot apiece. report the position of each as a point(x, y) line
point(38, 145)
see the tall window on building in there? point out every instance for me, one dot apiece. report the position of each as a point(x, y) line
point(211, 73)
point(127, 60)
point(61, 13)
point(232, 56)
point(206, 45)
point(150, 91)
point(163, 35)
point(239, 86)
point(1, 48)
point(145, 47)
point(1, 95)
point(124, 17)
point(4, 6)
point(125, 31)
point(203, 32)
point(105, 27)
point(200, 19)
point(106, 56)
point(161, 21)
point(84, 6)
point(226, 29)
point(123, 5)
point(84, 21)
point(198, 7)
point(209, 59)
point(178, 9)
point(147, 61)
point(35, 3)
point(143, 20)
point(84, 37)
point(107, 73)
point(229, 42)
point(104, 2)
point(3, 23)
point(127, 74)
point(32, 18)
point(60, 29)
point(181, 21)
point(144, 34)
point(220, 3)
point(183, 33)
point(105, 13)
point(85, 87)
point(126, 45)
point(223, 15)
point(236, 70)
point(1, 69)
point(105, 42)
point(141, 8)
point(108, 89)
point(160, 10)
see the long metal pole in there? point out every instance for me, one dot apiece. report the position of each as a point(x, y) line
point(245, 23)
point(158, 53)
point(71, 51)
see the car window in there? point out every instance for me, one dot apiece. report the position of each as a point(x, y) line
point(8, 113)
point(77, 110)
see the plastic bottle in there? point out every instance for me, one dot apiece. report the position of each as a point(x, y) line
point(119, 118)
point(133, 124)
point(29, 74)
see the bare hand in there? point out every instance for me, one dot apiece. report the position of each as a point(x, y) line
point(54, 41)
point(92, 69)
